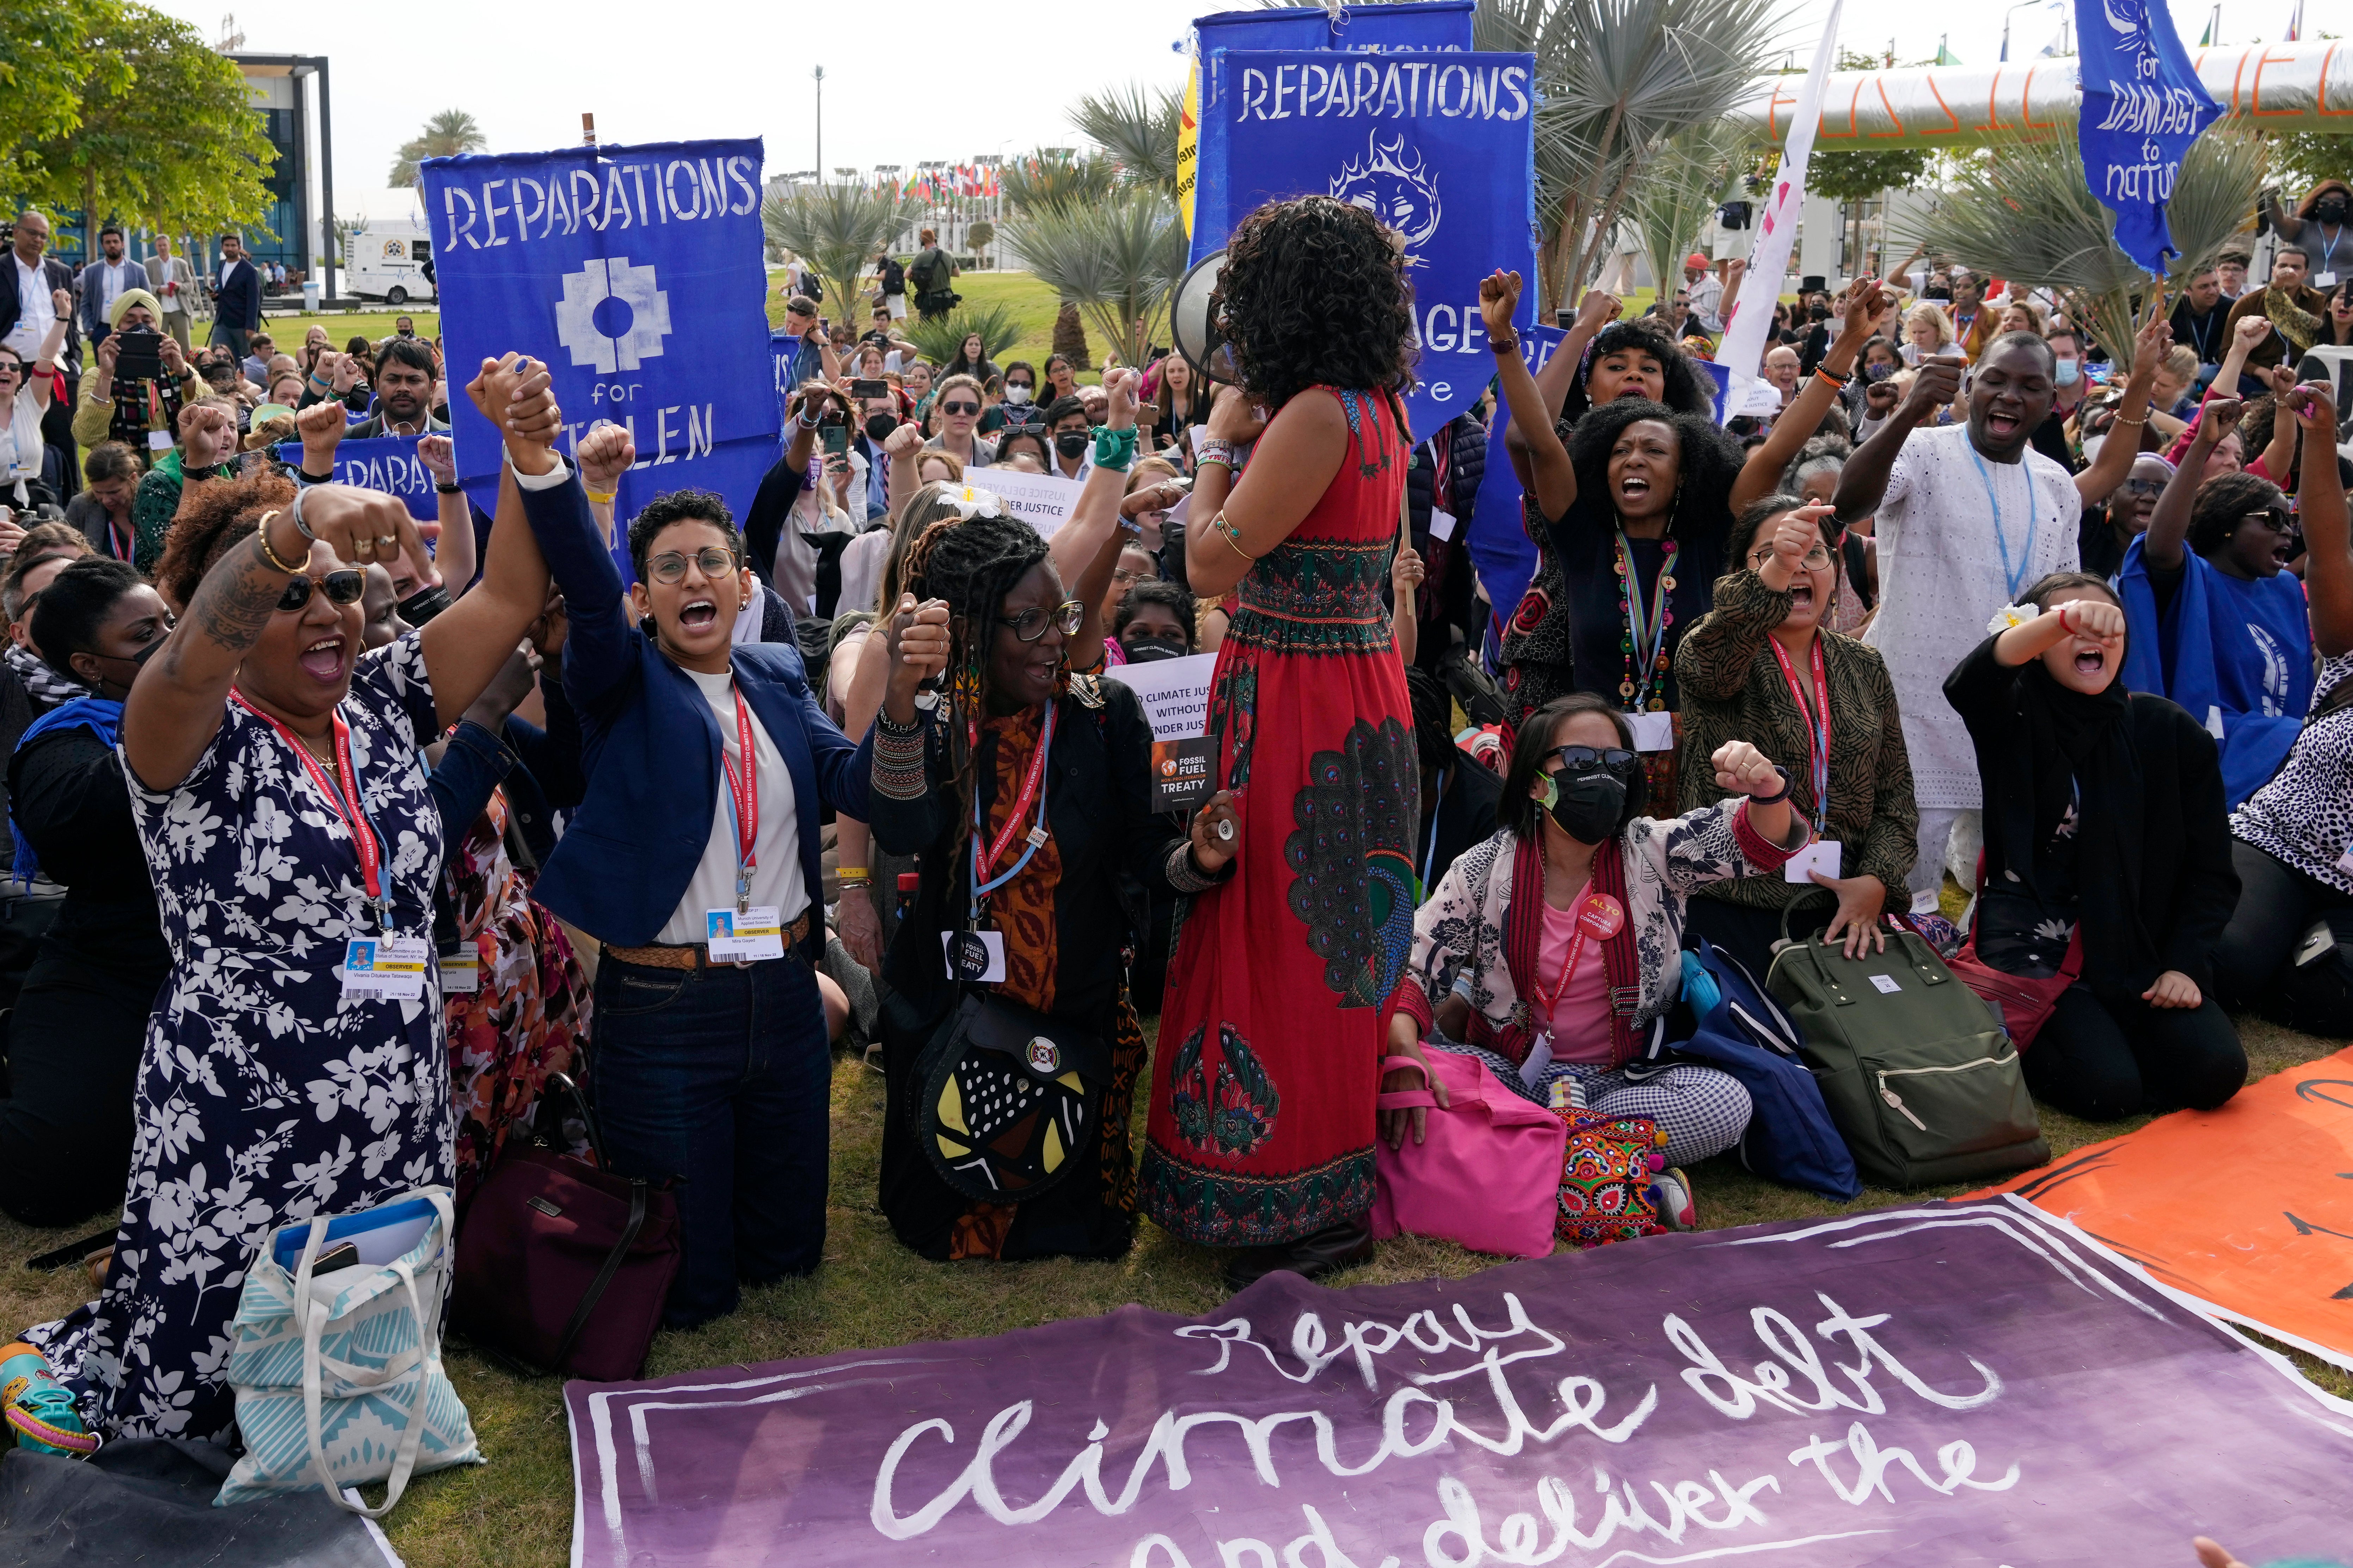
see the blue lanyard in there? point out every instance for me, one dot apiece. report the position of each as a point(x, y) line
point(1430, 860)
point(2015, 577)
point(1036, 835)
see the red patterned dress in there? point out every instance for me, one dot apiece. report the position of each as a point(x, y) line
point(1279, 995)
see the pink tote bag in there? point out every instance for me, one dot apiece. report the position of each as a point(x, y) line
point(1487, 1174)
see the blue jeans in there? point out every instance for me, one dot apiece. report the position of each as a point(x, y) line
point(722, 1077)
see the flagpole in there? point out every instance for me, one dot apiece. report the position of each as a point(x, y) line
point(819, 74)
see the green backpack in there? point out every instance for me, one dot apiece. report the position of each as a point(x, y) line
point(1917, 1072)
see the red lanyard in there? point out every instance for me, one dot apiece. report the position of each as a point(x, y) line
point(1818, 725)
point(342, 794)
point(1021, 802)
point(1576, 955)
point(744, 802)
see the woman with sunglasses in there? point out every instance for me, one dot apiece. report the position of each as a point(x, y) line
point(2220, 626)
point(958, 402)
point(75, 1036)
point(1580, 988)
point(275, 776)
point(1762, 664)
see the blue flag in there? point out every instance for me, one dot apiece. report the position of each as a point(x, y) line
point(386, 463)
point(636, 274)
point(1499, 545)
point(1440, 147)
point(1423, 25)
point(2143, 106)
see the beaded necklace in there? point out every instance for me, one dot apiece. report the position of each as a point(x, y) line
point(1643, 638)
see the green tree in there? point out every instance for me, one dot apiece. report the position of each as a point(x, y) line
point(1115, 261)
point(1137, 127)
point(838, 229)
point(938, 339)
point(1671, 205)
point(978, 235)
point(47, 70)
point(446, 135)
point(164, 135)
point(1052, 180)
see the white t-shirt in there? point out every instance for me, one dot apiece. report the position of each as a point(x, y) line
point(21, 446)
point(776, 879)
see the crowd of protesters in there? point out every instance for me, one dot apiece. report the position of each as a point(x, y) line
point(2009, 631)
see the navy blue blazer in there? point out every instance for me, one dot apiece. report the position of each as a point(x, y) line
point(650, 749)
point(237, 302)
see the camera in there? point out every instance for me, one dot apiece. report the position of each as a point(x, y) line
point(864, 388)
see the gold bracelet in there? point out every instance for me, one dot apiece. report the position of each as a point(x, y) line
point(261, 537)
point(1232, 535)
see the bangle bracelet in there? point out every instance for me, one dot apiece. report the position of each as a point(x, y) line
point(602, 498)
point(261, 537)
point(295, 511)
point(1232, 535)
point(1787, 788)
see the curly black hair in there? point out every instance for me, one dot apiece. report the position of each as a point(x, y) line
point(213, 517)
point(1167, 595)
point(1685, 386)
point(971, 562)
point(1315, 294)
point(1707, 461)
point(679, 506)
point(2222, 500)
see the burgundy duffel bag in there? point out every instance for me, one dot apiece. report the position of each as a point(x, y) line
point(563, 1264)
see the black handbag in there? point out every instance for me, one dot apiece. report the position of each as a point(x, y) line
point(1008, 1098)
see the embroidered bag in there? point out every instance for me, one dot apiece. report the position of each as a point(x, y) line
point(338, 1374)
point(1604, 1178)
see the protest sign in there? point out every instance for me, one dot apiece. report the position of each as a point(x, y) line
point(1041, 500)
point(1438, 146)
point(386, 463)
point(2143, 106)
point(1942, 1384)
point(635, 275)
point(1175, 693)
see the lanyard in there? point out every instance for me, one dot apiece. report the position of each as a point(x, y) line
point(1429, 859)
point(1545, 1000)
point(1442, 473)
point(2015, 577)
point(2203, 342)
point(343, 794)
point(1029, 789)
point(1644, 638)
point(1818, 725)
point(744, 804)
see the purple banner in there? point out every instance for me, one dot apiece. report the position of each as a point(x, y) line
point(1953, 1384)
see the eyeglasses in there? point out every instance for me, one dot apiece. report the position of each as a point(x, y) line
point(1816, 559)
point(959, 407)
point(2143, 487)
point(2272, 518)
point(1122, 574)
point(670, 566)
point(1585, 759)
point(1031, 624)
point(342, 587)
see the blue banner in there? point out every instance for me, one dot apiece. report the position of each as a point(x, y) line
point(1499, 545)
point(636, 274)
point(1440, 147)
point(2143, 106)
point(387, 463)
point(1425, 25)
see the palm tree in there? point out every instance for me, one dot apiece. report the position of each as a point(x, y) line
point(1137, 127)
point(838, 229)
point(445, 135)
point(939, 339)
point(1672, 202)
point(1054, 181)
point(2023, 212)
point(1115, 260)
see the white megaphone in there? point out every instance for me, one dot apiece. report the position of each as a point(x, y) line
point(1199, 337)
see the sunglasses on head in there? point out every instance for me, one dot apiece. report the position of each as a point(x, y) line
point(959, 407)
point(1585, 759)
point(1031, 624)
point(670, 566)
point(342, 586)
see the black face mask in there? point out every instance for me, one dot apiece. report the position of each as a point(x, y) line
point(879, 427)
point(1592, 805)
point(1074, 442)
point(1144, 650)
point(2330, 209)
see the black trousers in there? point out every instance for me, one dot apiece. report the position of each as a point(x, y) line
point(2106, 1057)
point(2254, 964)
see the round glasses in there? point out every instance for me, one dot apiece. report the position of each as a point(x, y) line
point(670, 566)
point(342, 587)
point(1122, 574)
point(1817, 559)
point(1031, 624)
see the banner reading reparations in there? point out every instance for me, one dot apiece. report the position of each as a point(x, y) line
point(636, 274)
point(1944, 1385)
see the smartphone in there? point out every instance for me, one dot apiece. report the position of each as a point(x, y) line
point(836, 437)
point(339, 1257)
point(864, 389)
point(141, 358)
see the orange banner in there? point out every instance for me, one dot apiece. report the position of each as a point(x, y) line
point(2248, 1207)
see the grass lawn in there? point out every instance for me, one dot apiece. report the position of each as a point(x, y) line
point(287, 332)
point(516, 1511)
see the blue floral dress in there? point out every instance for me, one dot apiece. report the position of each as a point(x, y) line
point(264, 1097)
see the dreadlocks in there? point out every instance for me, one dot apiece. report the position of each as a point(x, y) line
point(971, 562)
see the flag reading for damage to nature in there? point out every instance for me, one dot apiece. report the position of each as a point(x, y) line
point(2143, 106)
point(635, 275)
point(1943, 1383)
point(386, 463)
point(1440, 147)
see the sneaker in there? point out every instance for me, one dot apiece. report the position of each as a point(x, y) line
point(1671, 1195)
point(1939, 933)
point(39, 1409)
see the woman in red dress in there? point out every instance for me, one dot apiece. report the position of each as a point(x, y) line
point(1263, 1083)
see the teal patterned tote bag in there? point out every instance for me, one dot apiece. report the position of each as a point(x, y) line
point(337, 1369)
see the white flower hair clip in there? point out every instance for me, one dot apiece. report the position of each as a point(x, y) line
point(971, 501)
point(2011, 615)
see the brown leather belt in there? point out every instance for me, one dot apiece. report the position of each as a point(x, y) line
point(694, 954)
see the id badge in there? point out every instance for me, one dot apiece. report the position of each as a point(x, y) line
point(1821, 855)
point(974, 955)
point(1442, 523)
point(745, 935)
point(1652, 731)
point(2323, 280)
point(461, 971)
point(158, 440)
point(386, 968)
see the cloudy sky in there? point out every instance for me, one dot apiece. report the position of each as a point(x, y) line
point(946, 79)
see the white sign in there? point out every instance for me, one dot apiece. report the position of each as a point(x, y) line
point(1041, 500)
point(1175, 693)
